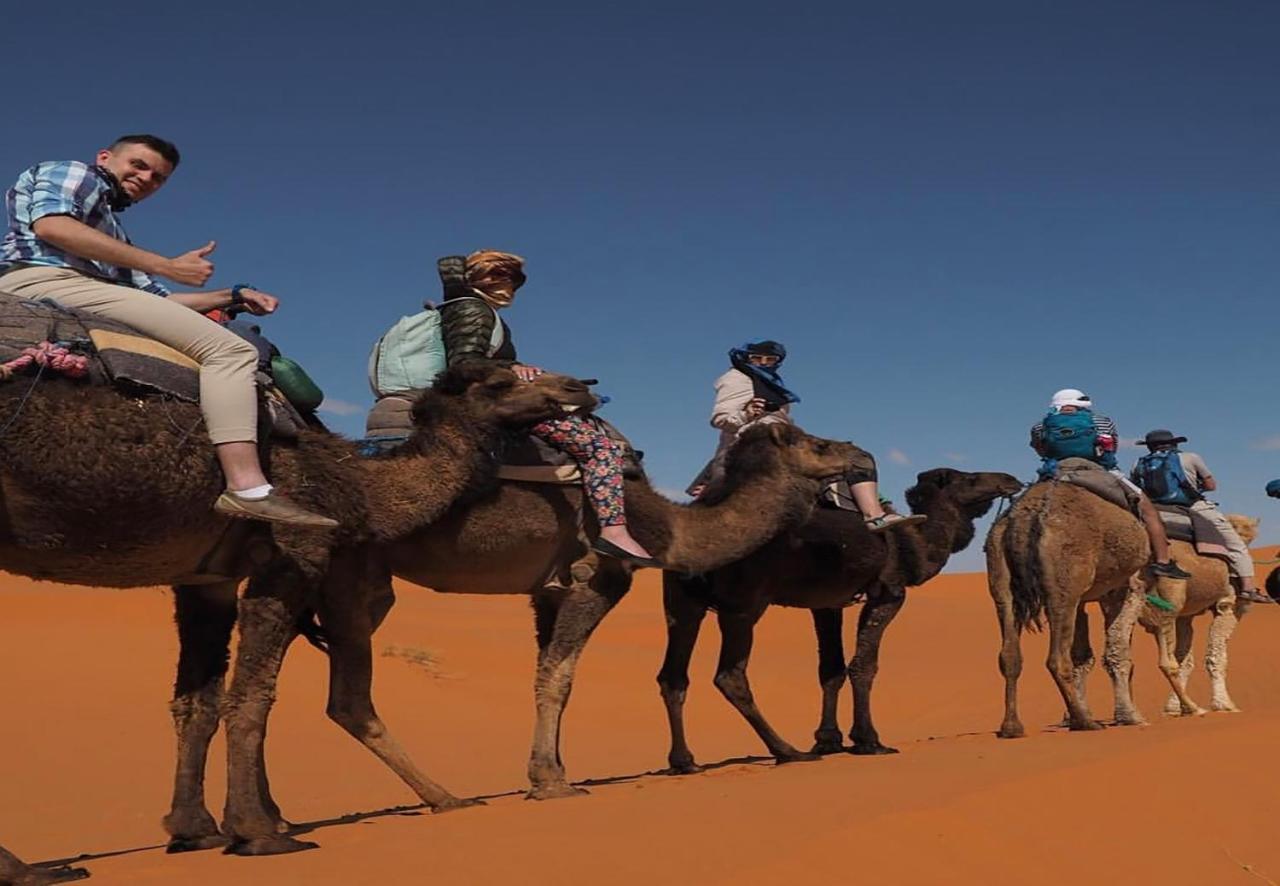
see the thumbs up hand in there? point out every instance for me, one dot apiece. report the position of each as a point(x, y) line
point(191, 268)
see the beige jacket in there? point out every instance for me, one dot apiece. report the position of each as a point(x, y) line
point(733, 392)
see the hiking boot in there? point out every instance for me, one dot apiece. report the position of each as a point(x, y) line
point(1168, 569)
point(889, 521)
point(275, 508)
point(1253, 595)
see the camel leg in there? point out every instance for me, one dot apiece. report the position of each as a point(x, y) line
point(206, 615)
point(828, 625)
point(684, 619)
point(1169, 666)
point(880, 609)
point(269, 613)
point(563, 627)
point(1081, 663)
point(1215, 656)
point(350, 619)
point(1120, 611)
point(14, 873)
point(1184, 633)
point(1010, 643)
point(737, 631)
point(1062, 629)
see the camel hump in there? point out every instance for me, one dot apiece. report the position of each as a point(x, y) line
point(1094, 478)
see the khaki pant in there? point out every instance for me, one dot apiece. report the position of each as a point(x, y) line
point(228, 396)
point(1238, 557)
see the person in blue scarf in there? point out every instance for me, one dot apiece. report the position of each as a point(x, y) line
point(752, 392)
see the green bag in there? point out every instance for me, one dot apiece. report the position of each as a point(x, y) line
point(295, 384)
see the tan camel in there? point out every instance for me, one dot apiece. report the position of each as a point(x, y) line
point(1058, 548)
point(130, 504)
point(527, 539)
point(1209, 590)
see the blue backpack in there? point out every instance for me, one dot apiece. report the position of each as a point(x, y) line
point(1070, 435)
point(1161, 477)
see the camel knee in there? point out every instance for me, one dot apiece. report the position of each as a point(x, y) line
point(360, 723)
point(733, 684)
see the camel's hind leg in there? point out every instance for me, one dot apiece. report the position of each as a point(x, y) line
point(1184, 635)
point(565, 622)
point(737, 631)
point(13, 872)
point(1010, 636)
point(882, 605)
point(684, 619)
point(1120, 611)
point(1215, 656)
point(1082, 662)
point(1063, 617)
point(353, 605)
point(206, 615)
point(828, 626)
point(1164, 633)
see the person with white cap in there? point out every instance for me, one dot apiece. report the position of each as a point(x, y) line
point(1173, 477)
point(1073, 430)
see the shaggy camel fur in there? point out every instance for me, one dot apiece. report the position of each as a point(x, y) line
point(1208, 590)
point(131, 505)
point(824, 565)
point(520, 539)
point(1059, 548)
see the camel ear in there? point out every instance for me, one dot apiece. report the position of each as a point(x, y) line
point(937, 477)
point(781, 433)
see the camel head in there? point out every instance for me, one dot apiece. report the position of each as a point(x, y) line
point(492, 393)
point(972, 493)
point(1245, 527)
point(764, 448)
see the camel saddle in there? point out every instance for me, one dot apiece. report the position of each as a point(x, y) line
point(525, 459)
point(124, 358)
point(1183, 524)
point(1098, 480)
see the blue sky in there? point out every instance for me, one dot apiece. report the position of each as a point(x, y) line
point(946, 211)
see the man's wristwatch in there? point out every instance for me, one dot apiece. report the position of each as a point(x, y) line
point(237, 293)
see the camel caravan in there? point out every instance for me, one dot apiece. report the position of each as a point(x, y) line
point(481, 474)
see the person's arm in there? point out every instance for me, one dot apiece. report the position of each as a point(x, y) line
point(467, 328)
point(75, 237)
point(734, 393)
point(1203, 478)
point(254, 301)
point(1037, 439)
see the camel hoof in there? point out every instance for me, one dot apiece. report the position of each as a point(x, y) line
point(795, 757)
point(684, 768)
point(455, 803)
point(1228, 708)
point(30, 876)
point(1012, 730)
point(195, 844)
point(1087, 726)
point(825, 748)
point(1131, 721)
point(276, 845)
point(872, 750)
point(555, 792)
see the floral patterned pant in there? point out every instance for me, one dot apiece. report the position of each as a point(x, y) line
point(599, 458)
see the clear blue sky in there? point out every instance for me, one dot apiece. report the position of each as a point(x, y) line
point(945, 210)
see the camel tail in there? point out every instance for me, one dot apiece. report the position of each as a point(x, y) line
point(1026, 575)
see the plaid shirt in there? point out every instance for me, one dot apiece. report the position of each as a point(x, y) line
point(78, 190)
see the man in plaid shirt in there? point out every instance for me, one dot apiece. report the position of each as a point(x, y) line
point(65, 243)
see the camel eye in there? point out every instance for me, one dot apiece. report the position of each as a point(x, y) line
point(822, 448)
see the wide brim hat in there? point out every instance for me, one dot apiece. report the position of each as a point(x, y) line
point(1161, 437)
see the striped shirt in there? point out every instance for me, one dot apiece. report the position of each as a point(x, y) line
point(75, 189)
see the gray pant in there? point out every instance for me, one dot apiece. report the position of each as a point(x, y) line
point(1238, 557)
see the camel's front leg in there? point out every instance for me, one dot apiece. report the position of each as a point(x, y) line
point(737, 631)
point(13, 872)
point(269, 613)
point(1184, 635)
point(1215, 656)
point(564, 624)
point(1169, 666)
point(1120, 611)
point(353, 604)
point(1010, 636)
point(1081, 663)
point(880, 609)
point(684, 619)
point(828, 626)
point(206, 615)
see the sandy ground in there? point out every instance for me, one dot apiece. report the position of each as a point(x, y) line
point(86, 757)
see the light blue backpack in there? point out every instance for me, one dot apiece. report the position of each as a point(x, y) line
point(411, 353)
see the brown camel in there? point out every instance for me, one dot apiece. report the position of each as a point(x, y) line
point(128, 503)
point(1060, 547)
point(521, 538)
point(1209, 590)
point(824, 565)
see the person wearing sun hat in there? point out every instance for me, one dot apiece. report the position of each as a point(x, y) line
point(1184, 482)
point(1073, 430)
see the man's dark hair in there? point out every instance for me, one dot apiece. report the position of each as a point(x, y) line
point(166, 149)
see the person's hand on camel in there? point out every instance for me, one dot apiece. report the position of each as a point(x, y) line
point(525, 372)
point(754, 408)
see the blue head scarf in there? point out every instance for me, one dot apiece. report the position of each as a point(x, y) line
point(766, 380)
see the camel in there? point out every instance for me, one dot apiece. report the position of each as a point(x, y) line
point(1060, 547)
point(1208, 590)
point(824, 565)
point(130, 505)
point(522, 538)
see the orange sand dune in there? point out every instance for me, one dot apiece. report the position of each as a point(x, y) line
point(86, 756)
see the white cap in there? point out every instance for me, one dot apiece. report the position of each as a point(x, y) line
point(1071, 397)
